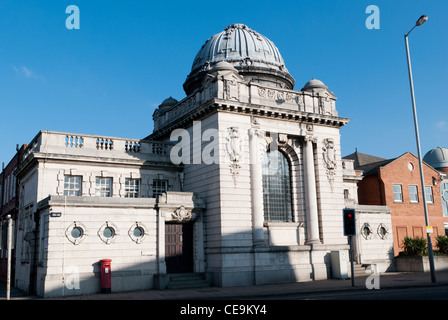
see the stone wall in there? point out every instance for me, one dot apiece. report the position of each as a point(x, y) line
point(69, 265)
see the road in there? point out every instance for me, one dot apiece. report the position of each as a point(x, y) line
point(415, 293)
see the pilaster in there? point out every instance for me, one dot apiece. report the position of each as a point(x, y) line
point(256, 180)
point(310, 192)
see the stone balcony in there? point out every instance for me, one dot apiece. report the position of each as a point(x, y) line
point(63, 145)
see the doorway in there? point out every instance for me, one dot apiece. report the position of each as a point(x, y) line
point(179, 247)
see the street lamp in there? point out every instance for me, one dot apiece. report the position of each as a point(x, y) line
point(419, 22)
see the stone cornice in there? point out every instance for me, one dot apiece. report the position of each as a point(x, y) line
point(106, 161)
point(219, 105)
point(96, 202)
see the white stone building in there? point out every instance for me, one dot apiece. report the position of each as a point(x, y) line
point(241, 182)
point(373, 243)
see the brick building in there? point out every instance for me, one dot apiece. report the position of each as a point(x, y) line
point(396, 183)
point(9, 205)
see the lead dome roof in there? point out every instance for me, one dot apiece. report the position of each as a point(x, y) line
point(248, 51)
point(437, 158)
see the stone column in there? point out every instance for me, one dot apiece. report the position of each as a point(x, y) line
point(310, 192)
point(256, 181)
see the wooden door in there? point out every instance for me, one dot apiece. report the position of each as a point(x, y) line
point(179, 247)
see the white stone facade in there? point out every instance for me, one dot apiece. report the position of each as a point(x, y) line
point(234, 113)
point(242, 248)
point(373, 243)
point(46, 262)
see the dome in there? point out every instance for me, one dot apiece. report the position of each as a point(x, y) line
point(223, 65)
point(253, 55)
point(313, 84)
point(318, 86)
point(437, 158)
point(167, 103)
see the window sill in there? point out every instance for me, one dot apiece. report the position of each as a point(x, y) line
point(282, 224)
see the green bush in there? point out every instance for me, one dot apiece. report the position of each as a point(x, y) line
point(414, 246)
point(442, 244)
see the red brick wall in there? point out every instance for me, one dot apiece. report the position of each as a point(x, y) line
point(369, 191)
point(408, 219)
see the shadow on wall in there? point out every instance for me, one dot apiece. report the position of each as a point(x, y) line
point(231, 266)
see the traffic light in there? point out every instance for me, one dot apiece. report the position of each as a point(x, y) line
point(349, 222)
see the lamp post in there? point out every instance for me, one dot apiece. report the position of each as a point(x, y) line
point(419, 22)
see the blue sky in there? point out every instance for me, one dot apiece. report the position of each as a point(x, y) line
point(108, 77)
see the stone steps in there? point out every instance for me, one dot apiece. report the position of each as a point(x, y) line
point(187, 281)
point(360, 270)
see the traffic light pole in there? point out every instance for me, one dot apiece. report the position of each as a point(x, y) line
point(351, 261)
point(349, 225)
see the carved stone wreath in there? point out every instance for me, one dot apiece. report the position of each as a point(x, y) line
point(110, 226)
point(131, 232)
point(69, 235)
point(181, 214)
point(367, 231)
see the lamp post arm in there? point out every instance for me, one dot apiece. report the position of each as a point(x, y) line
point(409, 31)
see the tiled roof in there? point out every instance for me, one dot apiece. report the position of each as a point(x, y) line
point(367, 163)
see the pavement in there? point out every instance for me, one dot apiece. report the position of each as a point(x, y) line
point(386, 281)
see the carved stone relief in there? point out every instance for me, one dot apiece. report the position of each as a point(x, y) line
point(234, 149)
point(231, 89)
point(329, 159)
point(181, 214)
point(180, 206)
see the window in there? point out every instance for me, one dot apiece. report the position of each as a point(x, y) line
point(382, 231)
point(159, 187)
point(276, 187)
point(139, 232)
point(398, 193)
point(367, 231)
point(103, 187)
point(108, 232)
point(428, 194)
point(77, 232)
point(72, 185)
point(4, 236)
point(413, 193)
point(132, 188)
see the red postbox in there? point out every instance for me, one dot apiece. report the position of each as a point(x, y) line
point(106, 276)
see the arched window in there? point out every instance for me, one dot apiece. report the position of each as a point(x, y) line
point(276, 187)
